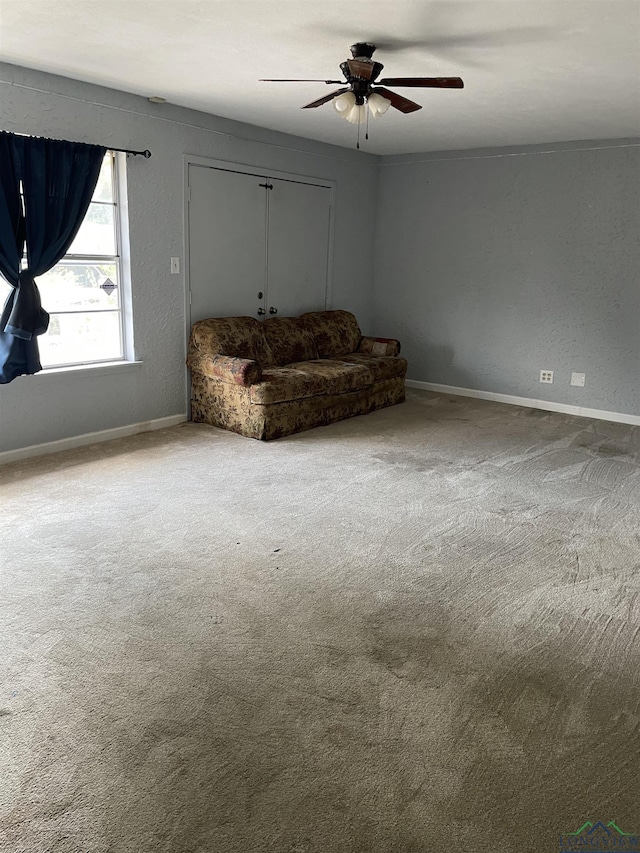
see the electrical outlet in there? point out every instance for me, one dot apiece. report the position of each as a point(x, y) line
point(175, 266)
point(546, 376)
point(578, 379)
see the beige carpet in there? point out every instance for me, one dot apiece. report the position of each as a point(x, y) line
point(417, 630)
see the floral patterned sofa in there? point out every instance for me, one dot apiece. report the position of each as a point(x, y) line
point(288, 374)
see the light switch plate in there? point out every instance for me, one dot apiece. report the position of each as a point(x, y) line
point(175, 266)
point(578, 379)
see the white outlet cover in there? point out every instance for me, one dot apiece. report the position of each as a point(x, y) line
point(578, 379)
point(546, 376)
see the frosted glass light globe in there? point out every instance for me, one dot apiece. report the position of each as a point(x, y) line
point(344, 103)
point(358, 114)
point(377, 104)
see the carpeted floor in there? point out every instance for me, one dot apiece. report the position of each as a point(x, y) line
point(417, 630)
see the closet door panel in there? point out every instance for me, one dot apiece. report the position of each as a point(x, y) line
point(298, 247)
point(227, 243)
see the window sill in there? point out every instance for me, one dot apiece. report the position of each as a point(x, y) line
point(106, 368)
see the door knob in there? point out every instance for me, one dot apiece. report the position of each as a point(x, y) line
point(273, 310)
point(261, 311)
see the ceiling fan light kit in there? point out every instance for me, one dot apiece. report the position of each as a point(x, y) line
point(348, 108)
point(358, 100)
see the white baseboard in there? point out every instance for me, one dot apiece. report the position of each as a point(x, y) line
point(565, 408)
point(88, 438)
point(160, 423)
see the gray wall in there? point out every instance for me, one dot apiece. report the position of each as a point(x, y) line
point(43, 408)
point(490, 265)
point(493, 265)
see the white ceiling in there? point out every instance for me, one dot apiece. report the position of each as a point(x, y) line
point(534, 71)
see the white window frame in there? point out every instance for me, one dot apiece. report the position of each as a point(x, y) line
point(123, 279)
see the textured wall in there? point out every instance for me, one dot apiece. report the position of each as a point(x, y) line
point(488, 267)
point(49, 407)
point(493, 265)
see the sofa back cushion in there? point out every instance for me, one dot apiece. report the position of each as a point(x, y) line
point(335, 332)
point(288, 339)
point(242, 337)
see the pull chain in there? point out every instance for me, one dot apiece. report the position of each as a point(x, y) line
point(366, 136)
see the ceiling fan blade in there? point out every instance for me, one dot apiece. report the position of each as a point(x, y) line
point(397, 101)
point(425, 82)
point(291, 80)
point(325, 100)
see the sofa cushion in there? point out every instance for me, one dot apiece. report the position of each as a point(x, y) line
point(288, 340)
point(280, 384)
point(381, 367)
point(335, 332)
point(335, 376)
point(242, 337)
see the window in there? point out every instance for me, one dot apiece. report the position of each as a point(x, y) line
point(83, 293)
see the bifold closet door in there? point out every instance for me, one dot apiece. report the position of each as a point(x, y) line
point(298, 247)
point(227, 243)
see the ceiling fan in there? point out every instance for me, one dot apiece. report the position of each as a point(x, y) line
point(359, 97)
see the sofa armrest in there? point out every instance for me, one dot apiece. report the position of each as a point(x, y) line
point(239, 371)
point(379, 346)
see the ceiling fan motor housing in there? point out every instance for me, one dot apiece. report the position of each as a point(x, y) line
point(361, 71)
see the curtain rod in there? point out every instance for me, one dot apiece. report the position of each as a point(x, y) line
point(146, 153)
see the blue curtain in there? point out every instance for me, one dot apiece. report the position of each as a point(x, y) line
point(58, 180)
